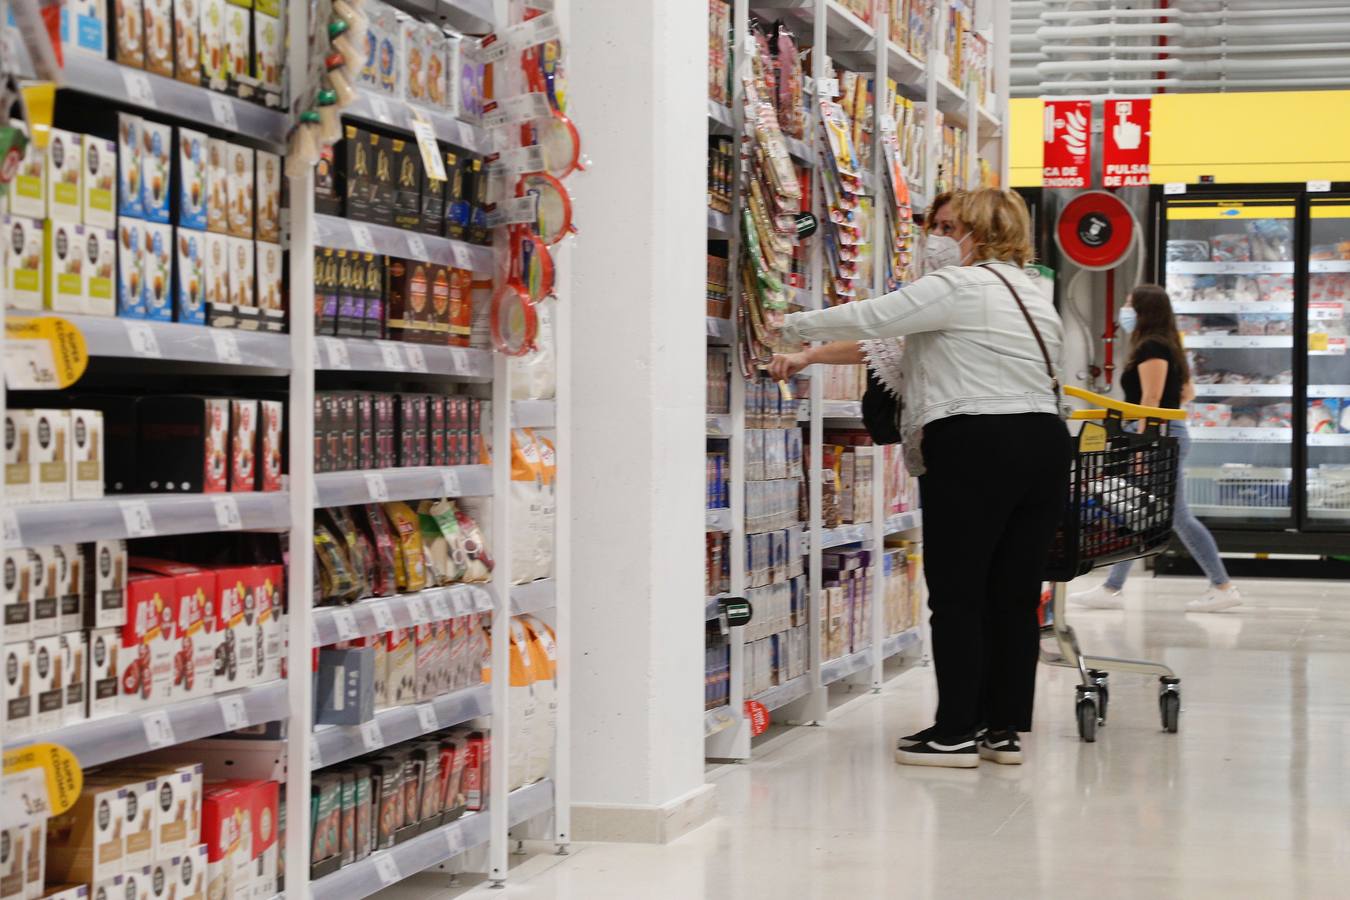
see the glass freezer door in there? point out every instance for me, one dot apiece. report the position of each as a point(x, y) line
point(1229, 268)
point(1328, 422)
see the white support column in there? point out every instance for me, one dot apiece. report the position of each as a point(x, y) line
point(638, 380)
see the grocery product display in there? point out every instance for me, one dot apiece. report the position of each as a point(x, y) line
point(845, 139)
point(203, 169)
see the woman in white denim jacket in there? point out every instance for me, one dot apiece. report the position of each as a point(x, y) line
point(983, 431)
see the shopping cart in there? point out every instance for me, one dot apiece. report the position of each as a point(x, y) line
point(1122, 494)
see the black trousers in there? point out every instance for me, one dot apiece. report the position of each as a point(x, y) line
point(993, 495)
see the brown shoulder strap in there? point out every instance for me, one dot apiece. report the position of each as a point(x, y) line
point(1040, 341)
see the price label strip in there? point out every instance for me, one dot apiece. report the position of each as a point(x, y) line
point(335, 349)
point(391, 355)
point(417, 610)
point(137, 86)
point(143, 340)
point(417, 248)
point(137, 518)
point(13, 535)
point(346, 624)
point(222, 111)
point(384, 619)
point(227, 346)
point(514, 110)
point(417, 360)
point(516, 211)
point(361, 237)
point(387, 868)
point(439, 608)
point(371, 736)
point(158, 729)
point(454, 840)
point(227, 513)
point(376, 488)
point(426, 717)
point(233, 712)
point(450, 483)
point(379, 109)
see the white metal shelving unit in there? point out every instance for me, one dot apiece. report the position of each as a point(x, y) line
point(154, 349)
point(827, 25)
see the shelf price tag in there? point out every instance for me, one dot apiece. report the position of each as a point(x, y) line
point(1174, 187)
point(346, 624)
point(227, 346)
point(432, 164)
point(426, 717)
point(137, 518)
point(158, 729)
point(371, 736)
point(380, 109)
point(391, 355)
point(232, 711)
point(335, 349)
point(450, 483)
point(9, 522)
point(417, 248)
point(376, 488)
point(1319, 187)
point(137, 85)
point(440, 610)
point(417, 610)
point(384, 619)
point(143, 340)
point(387, 868)
point(227, 513)
point(454, 840)
point(222, 111)
point(417, 360)
point(361, 236)
point(459, 363)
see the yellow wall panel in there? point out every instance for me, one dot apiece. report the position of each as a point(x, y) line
point(1024, 141)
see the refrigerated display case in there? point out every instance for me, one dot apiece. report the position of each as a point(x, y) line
point(1259, 282)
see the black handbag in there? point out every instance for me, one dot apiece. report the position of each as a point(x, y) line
point(881, 411)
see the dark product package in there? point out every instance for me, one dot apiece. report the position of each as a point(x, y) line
point(120, 434)
point(439, 447)
point(325, 291)
point(383, 186)
point(479, 233)
point(348, 837)
point(346, 686)
point(439, 280)
point(409, 304)
point(365, 431)
point(358, 159)
point(373, 293)
point(183, 445)
point(458, 212)
point(351, 316)
point(364, 817)
point(348, 456)
point(333, 433)
point(407, 200)
point(385, 451)
point(388, 771)
point(325, 824)
point(321, 461)
point(328, 181)
point(433, 199)
point(411, 429)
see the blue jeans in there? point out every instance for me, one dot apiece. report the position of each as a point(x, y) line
point(1194, 536)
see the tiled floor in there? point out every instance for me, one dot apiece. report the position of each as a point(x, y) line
point(1250, 799)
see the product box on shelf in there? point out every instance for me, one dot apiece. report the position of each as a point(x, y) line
point(158, 36)
point(401, 665)
point(412, 50)
point(22, 262)
point(223, 811)
point(346, 686)
point(18, 603)
point(157, 271)
point(216, 276)
point(239, 48)
point(355, 162)
point(374, 292)
point(269, 294)
point(86, 455)
point(406, 206)
point(216, 181)
point(187, 41)
point(84, 27)
point(46, 619)
point(104, 566)
point(239, 188)
point(407, 302)
point(156, 158)
point(383, 184)
point(243, 444)
point(128, 157)
point(187, 438)
point(195, 639)
point(328, 188)
point(433, 197)
point(437, 57)
point(51, 455)
point(130, 273)
point(65, 181)
point(28, 186)
point(18, 689)
point(70, 595)
point(20, 473)
point(271, 623)
point(100, 291)
point(269, 48)
point(101, 685)
point(148, 642)
point(193, 147)
point(326, 823)
point(99, 186)
point(189, 303)
point(241, 282)
point(185, 874)
point(214, 58)
point(49, 684)
point(268, 197)
point(270, 436)
point(13, 862)
point(63, 258)
point(85, 843)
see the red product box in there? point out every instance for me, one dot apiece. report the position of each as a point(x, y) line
point(237, 590)
point(270, 436)
point(270, 627)
point(421, 421)
point(225, 809)
point(476, 765)
point(194, 659)
point(438, 441)
point(321, 461)
point(347, 425)
point(148, 642)
point(406, 416)
point(457, 417)
point(257, 854)
point(243, 445)
point(385, 454)
point(184, 444)
point(332, 435)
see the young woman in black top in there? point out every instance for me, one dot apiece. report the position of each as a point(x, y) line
point(1157, 374)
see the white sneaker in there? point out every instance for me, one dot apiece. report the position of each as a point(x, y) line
point(1100, 597)
point(1216, 600)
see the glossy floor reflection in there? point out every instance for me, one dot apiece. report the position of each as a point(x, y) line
point(1250, 799)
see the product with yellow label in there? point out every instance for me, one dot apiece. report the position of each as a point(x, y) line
point(100, 271)
point(64, 176)
point(25, 270)
point(51, 455)
point(214, 62)
point(28, 188)
point(64, 255)
point(86, 468)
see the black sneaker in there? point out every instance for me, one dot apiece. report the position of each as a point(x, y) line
point(932, 750)
point(1001, 745)
point(917, 737)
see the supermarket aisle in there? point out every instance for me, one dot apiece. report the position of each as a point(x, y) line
point(1248, 800)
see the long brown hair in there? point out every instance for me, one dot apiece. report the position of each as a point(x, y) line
point(1156, 322)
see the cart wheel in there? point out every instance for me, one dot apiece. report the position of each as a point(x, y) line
point(1103, 682)
point(1169, 704)
point(1087, 720)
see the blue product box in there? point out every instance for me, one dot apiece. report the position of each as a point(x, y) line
point(156, 271)
point(189, 299)
point(130, 273)
point(192, 185)
point(129, 166)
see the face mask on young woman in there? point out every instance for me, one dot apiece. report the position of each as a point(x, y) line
point(1128, 319)
point(939, 252)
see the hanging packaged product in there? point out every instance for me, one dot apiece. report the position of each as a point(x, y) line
point(526, 506)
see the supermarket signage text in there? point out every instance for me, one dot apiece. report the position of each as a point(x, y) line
point(1067, 153)
point(1125, 143)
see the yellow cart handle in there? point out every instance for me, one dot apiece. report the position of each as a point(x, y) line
point(1127, 410)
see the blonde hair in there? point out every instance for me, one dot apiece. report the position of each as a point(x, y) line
point(998, 222)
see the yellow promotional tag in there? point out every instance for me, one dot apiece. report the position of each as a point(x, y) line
point(1092, 439)
point(43, 353)
point(44, 779)
point(432, 163)
point(39, 100)
point(1317, 340)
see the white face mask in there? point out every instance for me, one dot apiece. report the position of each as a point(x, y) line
point(939, 252)
point(1128, 319)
